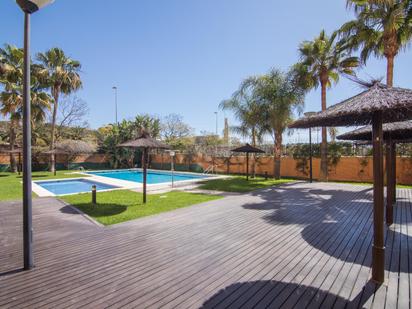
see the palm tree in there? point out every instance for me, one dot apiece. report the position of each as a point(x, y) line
point(333, 132)
point(148, 123)
point(12, 96)
point(280, 97)
point(381, 28)
point(61, 75)
point(248, 112)
point(322, 61)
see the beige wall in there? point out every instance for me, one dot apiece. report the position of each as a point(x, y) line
point(348, 169)
point(92, 158)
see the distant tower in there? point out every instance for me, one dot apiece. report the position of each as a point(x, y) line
point(226, 132)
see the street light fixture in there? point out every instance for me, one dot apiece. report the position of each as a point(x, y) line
point(28, 7)
point(115, 101)
point(216, 114)
point(31, 6)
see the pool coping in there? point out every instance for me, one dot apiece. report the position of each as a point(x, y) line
point(42, 192)
point(121, 184)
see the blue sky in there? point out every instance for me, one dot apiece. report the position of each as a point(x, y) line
point(182, 56)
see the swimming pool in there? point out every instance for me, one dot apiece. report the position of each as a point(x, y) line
point(153, 177)
point(72, 186)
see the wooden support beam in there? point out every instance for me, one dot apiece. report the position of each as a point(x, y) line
point(378, 250)
point(247, 166)
point(389, 182)
point(144, 174)
point(393, 149)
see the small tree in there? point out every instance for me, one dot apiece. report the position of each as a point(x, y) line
point(175, 132)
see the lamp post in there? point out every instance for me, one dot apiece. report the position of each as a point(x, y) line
point(308, 114)
point(115, 102)
point(216, 124)
point(172, 165)
point(28, 7)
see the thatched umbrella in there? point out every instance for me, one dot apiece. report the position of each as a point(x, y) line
point(398, 132)
point(379, 104)
point(144, 142)
point(75, 147)
point(393, 133)
point(56, 152)
point(2, 68)
point(247, 149)
point(71, 148)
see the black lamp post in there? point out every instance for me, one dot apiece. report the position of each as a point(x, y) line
point(308, 114)
point(28, 7)
point(115, 102)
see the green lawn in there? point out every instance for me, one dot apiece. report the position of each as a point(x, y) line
point(240, 184)
point(11, 184)
point(119, 206)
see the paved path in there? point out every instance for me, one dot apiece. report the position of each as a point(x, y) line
point(298, 245)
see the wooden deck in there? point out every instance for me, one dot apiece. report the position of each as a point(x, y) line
point(295, 246)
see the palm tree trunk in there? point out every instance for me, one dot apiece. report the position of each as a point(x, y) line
point(389, 70)
point(278, 154)
point(12, 140)
point(53, 130)
point(324, 145)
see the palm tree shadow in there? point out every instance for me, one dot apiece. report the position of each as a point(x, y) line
point(325, 212)
point(293, 206)
point(98, 210)
point(350, 254)
point(283, 294)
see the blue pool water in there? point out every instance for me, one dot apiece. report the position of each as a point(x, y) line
point(152, 177)
point(60, 187)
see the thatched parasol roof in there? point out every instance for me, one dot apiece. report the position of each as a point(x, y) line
point(17, 151)
point(2, 68)
point(395, 103)
point(248, 149)
point(6, 147)
point(74, 147)
point(56, 152)
point(144, 141)
point(398, 131)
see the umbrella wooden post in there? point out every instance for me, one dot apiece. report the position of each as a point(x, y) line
point(393, 150)
point(55, 164)
point(145, 142)
point(19, 167)
point(378, 250)
point(144, 174)
point(389, 183)
point(247, 166)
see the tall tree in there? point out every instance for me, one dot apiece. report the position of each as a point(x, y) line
point(61, 75)
point(115, 134)
point(382, 28)
point(11, 98)
point(247, 110)
point(280, 97)
point(322, 61)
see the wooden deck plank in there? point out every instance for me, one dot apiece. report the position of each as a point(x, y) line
point(259, 291)
point(203, 288)
point(403, 293)
point(289, 246)
point(389, 298)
